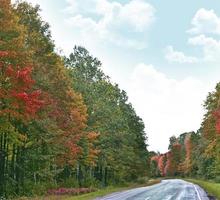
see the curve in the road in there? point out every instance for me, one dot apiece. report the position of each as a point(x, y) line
point(173, 189)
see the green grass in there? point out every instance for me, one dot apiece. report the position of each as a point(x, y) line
point(211, 187)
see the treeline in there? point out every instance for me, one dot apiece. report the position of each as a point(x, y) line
point(194, 154)
point(62, 121)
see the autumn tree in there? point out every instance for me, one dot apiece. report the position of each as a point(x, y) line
point(61, 119)
point(19, 100)
point(161, 164)
point(154, 160)
point(122, 138)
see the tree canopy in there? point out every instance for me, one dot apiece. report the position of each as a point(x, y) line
point(62, 120)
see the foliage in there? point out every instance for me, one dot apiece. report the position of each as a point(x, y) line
point(62, 121)
point(121, 141)
point(69, 191)
point(195, 154)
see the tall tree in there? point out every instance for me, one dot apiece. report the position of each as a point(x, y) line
point(19, 100)
point(122, 138)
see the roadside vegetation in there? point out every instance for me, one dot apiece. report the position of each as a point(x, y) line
point(63, 122)
point(99, 192)
point(210, 187)
point(195, 155)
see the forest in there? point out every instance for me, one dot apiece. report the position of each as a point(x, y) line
point(194, 154)
point(62, 121)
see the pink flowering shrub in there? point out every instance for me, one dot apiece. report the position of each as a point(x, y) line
point(69, 191)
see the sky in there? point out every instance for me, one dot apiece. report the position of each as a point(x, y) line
point(164, 54)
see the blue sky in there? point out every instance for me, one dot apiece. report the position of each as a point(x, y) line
point(165, 54)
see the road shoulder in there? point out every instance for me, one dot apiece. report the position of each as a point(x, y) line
point(212, 189)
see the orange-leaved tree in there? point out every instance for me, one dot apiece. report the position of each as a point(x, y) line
point(19, 100)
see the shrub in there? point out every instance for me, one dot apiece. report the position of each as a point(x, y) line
point(69, 183)
point(217, 179)
point(69, 191)
point(142, 180)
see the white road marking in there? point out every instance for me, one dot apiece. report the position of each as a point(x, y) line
point(169, 197)
point(178, 188)
point(197, 192)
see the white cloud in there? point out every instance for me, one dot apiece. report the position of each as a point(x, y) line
point(167, 106)
point(122, 24)
point(82, 22)
point(177, 56)
point(138, 14)
point(210, 47)
point(205, 21)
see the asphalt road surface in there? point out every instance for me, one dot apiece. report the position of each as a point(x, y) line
point(173, 189)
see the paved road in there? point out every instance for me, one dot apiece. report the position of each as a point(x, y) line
point(173, 189)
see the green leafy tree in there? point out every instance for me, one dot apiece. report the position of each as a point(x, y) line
point(122, 139)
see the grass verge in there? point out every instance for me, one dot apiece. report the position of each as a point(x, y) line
point(210, 187)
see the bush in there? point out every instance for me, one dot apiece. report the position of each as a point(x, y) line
point(91, 182)
point(69, 191)
point(142, 180)
point(31, 189)
point(217, 179)
point(69, 183)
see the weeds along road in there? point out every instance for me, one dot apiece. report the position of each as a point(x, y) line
point(173, 189)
